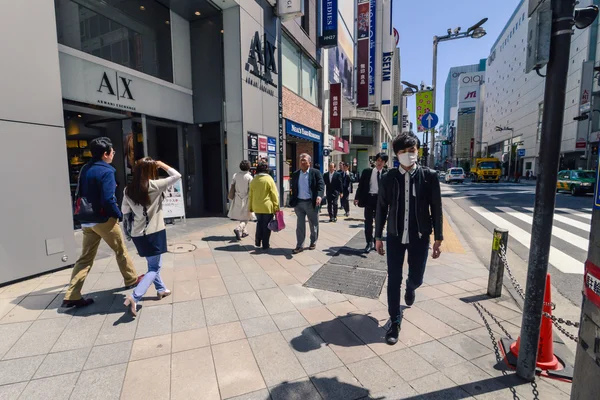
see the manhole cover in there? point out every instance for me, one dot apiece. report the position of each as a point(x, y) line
point(347, 280)
point(181, 248)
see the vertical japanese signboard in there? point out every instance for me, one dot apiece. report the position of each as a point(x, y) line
point(335, 106)
point(424, 105)
point(372, 48)
point(329, 15)
point(362, 86)
point(388, 53)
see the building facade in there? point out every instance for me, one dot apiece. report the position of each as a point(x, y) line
point(514, 99)
point(187, 82)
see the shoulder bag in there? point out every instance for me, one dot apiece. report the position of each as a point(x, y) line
point(231, 194)
point(83, 210)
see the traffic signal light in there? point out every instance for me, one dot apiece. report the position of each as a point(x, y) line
point(446, 142)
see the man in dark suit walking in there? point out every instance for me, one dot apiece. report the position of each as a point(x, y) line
point(346, 188)
point(333, 186)
point(305, 196)
point(366, 195)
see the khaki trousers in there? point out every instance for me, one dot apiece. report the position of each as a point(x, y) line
point(110, 232)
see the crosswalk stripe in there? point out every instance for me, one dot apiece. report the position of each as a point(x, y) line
point(587, 209)
point(558, 259)
point(569, 221)
point(575, 213)
point(560, 233)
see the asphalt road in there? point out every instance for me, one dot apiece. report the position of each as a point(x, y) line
point(510, 206)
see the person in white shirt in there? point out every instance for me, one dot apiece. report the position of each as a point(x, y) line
point(366, 195)
point(144, 223)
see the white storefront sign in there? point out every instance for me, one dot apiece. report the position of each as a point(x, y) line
point(87, 79)
point(468, 89)
point(290, 9)
point(172, 204)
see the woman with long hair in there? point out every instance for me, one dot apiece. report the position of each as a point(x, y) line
point(144, 223)
point(240, 186)
point(264, 202)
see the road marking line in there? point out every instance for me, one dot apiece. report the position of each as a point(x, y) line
point(560, 233)
point(575, 213)
point(558, 259)
point(569, 221)
point(587, 209)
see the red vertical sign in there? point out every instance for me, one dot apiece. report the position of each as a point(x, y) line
point(472, 146)
point(335, 106)
point(362, 87)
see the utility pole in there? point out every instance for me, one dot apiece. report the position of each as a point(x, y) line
point(543, 215)
point(434, 84)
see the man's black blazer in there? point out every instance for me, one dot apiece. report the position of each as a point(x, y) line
point(315, 182)
point(333, 184)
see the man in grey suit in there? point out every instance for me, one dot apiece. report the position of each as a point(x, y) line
point(307, 189)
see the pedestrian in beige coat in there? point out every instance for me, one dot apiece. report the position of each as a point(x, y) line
point(238, 210)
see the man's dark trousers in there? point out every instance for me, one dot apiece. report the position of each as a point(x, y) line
point(370, 208)
point(418, 251)
point(332, 206)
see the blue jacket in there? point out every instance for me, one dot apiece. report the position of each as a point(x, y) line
point(98, 185)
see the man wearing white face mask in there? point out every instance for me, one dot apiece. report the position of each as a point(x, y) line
point(411, 203)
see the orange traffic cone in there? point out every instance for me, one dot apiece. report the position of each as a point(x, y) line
point(546, 360)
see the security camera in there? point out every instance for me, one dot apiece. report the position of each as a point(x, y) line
point(428, 87)
point(457, 30)
point(584, 17)
point(449, 31)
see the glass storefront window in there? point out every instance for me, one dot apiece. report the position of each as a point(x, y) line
point(124, 32)
point(290, 59)
point(309, 81)
point(363, 128)
point(299, 72)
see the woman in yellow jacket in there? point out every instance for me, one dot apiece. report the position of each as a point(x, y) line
point(264, 202)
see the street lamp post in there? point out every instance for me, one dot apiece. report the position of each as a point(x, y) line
point(475, 32)
point(481, 148)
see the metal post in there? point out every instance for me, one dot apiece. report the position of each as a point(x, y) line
point(543, 215)
point(434, 85)
point(500, 241)
point(512, 133)
point(588, 155)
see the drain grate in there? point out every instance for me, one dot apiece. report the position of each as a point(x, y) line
point(348, 280)
point(179, 248)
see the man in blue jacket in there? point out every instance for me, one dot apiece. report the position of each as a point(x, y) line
point(97, 184)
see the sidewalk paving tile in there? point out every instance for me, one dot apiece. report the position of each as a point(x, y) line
point(282, 277)
point(465, 346)
point(408, 364)
point(219, 310)
point(237, 371)
point(62, 363)
point(300, 296)
point(260, 280)
point(154, 321)
point(55, 387)
point(237, 284)
point(437, 354)
point(188, 315)
point(185, 273)
point(226, 333)
point(448, 316)
point(275, 359)
point(326, 297)
point(369, 331)
point(366, 305)
point(500, 312)
point(466, 286)
point(345, 344)
point(289, 320)
point(100, 384)
point(474, 380)
point(38, 339)
point(148, 379)
point(275, 301)
point(410, 335)
point(429, 293)
point(193, 375)
point(248, 305)
point(13, 391)
point(428, 323)
point(28, 309)
point(317, 315)
point(81, 332)
point(312, 352)
point(449, 289)
point(117, 327)
point(259, 326)
point(439, 387)
point(301, 389)
point(110, 354)
point(189, 340)
point(464, 309)
point(207, 271)
point(154, 346)
point(375, 374)
point(229, 269)
point(19, 370)
point(10, 333)
point(186, 291)
point(342, 309)
point(339, 383)
point(262, 394)
point(212, 287)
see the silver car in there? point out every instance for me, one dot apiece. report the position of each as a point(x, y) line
point(455, 175)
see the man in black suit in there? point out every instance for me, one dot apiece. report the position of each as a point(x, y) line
point(366, 195)
point(305, 196)
point(346, 188)
point(333, 186)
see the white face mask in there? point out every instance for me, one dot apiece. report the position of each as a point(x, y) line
point(407, 159)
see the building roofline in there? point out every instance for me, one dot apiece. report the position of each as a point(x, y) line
point(507, 24)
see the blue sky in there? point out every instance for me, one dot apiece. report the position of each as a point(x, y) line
point(418, 21)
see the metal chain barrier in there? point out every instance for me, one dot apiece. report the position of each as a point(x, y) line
point(556, 321)
point(508, 335)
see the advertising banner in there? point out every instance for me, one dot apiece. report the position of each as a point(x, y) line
point(341, 61)
point(468, 89)
point(362, 87)
point(372, 47)
point(172, 204)
point(335, 106)
point(329, 15)
point(388, 53)
point(424, 105)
